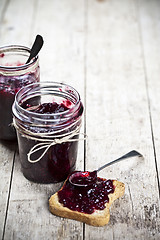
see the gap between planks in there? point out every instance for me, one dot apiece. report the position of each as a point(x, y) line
point(9, 193)
point(4, 9)
point(85, 85)
point(148, 97)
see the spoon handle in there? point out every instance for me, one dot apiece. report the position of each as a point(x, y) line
point(37, 45)
point(127, 155)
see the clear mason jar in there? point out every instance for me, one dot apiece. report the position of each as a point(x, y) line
point(14, 74)
point(48, 141)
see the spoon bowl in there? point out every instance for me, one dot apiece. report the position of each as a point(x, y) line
point(86, 178)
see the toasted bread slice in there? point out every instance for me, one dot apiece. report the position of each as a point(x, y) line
point(97, 218)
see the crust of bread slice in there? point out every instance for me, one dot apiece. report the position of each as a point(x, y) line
point(98, 218)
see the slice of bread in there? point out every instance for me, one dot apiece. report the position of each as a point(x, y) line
point(97, 218)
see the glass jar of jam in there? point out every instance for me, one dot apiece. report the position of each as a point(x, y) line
point(47, 117)
point(14, 74)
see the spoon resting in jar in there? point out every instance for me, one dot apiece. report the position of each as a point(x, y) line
point(84, 179)
point(36, 47)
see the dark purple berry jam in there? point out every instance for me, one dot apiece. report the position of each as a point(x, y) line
point(51, 108)
point(60, 159)
point(9, 86)
point(2, 55)
point(86, 199)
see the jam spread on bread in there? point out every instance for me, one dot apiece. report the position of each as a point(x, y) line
point(86, 199)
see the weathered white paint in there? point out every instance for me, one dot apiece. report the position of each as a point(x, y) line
point(117, 104)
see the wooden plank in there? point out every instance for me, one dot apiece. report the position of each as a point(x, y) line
point(17, 23)
point(150, 38)
point(3, 6)
point(7, 151)
point(29, 209)
point(13, 23)
point(117, 110)
point(62, 59)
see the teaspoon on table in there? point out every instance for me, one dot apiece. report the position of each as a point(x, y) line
point(36, 47)
point(83, 179)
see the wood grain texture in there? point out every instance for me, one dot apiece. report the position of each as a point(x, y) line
point(12, 21)
point(3, 6)
point(109, 51)
point(17, 23)
point(150, 25)
point(117, 104)
point(7, 152)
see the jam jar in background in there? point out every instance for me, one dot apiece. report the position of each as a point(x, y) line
point(47, 117)
point(14, 74)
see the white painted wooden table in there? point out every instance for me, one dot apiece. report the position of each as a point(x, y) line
point(109, 50)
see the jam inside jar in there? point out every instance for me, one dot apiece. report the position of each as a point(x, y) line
point(14, 74)
point(47, 117)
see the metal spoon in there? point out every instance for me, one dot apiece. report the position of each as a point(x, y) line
point(37, 45)
point(83, 179)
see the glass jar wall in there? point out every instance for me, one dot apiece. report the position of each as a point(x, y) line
point(14, 74)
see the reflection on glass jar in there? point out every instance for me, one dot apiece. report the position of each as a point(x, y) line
point(47, 117)
point(14, 74)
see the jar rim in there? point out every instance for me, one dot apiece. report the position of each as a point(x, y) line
point(67, 112)
point(8, 48)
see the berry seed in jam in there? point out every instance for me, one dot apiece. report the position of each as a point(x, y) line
point(86, 199)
